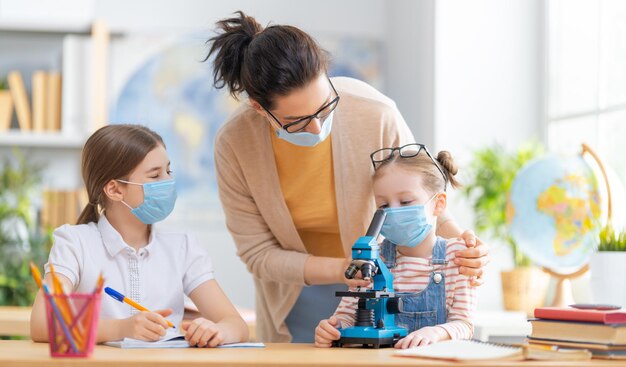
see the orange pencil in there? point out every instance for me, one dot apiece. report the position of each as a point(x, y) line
point(65, 307)
point(36, 274)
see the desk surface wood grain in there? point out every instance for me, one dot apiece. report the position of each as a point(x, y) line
point(15, 321)
point(19, 353)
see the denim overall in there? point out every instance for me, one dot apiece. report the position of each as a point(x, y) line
point(428, 307)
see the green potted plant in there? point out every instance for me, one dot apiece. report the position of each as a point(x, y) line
point(20, 239)
point(608, 273)
point(6, 105)
point(487, 185)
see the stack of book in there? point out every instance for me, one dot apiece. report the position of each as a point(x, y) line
point(602, 332)
point(61, 206)
point(45, 114)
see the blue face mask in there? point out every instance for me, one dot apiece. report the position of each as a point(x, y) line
point(159, 199)
point(407, 225)
point(305, 139)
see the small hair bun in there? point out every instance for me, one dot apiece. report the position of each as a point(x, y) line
point(445, 159)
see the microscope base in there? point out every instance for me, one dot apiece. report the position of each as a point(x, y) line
point(367, 342)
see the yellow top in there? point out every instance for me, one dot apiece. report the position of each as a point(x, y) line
point(308, 185)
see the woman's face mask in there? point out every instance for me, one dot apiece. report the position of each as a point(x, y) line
point(294, 130)
point(306, 139)
point(408, 225)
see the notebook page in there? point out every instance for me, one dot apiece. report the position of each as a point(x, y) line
point(463, 350)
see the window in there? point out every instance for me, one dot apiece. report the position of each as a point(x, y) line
point(586, 78)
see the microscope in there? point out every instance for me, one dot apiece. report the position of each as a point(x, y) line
point(375, 315)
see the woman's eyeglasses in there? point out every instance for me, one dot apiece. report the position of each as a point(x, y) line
point(384, 155)
point(321, 114)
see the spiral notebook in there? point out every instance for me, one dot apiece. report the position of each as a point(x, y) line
point(474, 350)
point(171, 340)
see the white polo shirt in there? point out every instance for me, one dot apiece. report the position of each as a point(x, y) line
point(157, 276)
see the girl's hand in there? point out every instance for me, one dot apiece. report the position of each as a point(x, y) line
point(326, 332)
point(203, 333)
point(472, 261)
point(424, 336)
point(147, 326)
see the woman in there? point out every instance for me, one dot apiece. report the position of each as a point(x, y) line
point(294, 174)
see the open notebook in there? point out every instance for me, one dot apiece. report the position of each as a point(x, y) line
point(474, 350)
point(173, 339)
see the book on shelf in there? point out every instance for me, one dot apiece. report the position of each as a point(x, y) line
point(45, 113)
point(61, 207)
point(53, 94)
point(6, 110)
point(476, 351)
point(20, 100)
point(584, 315)
point(39, 83)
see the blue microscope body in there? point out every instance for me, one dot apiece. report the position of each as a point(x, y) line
point(375, 316)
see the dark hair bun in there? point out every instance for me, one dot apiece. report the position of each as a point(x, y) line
point(229, 46)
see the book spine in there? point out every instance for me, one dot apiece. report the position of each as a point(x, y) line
point(6, 109)
point(39, 82)
point(54, 102)
point(20, 99)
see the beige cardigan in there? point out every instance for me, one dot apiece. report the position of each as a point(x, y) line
point(256, 214)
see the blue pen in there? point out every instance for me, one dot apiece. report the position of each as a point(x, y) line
point(59, 318)
point(120, 297)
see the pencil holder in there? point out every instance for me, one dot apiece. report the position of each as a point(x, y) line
point(72, 323)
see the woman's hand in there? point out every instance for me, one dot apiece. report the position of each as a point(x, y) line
point(147, 326)
point(357, 281)
point(472, 261)
point(327, 332)
point(424, 336)
point(203, 333)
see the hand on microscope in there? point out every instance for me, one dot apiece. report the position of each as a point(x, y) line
point(424, 336)
point(326, 332)
point(357, 281)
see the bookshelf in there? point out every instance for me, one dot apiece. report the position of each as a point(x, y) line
point(78, 54)
point(41, 140)
point(78, 51)
point(49, 27)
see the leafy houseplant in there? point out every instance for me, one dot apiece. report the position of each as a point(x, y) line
point(20, 239)
point(491, 174)
point(611, 240)
point(608, 274)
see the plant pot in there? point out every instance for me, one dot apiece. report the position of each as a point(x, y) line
point(608, 277)
point(6, 109)
point(524, 289)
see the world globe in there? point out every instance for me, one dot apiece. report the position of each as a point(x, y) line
point(554, 211)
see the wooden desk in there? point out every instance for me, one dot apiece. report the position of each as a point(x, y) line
point(14, 321)
point(20, 353)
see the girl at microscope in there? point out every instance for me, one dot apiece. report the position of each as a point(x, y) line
point(438, 301)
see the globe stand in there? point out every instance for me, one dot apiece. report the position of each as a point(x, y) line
point(563, 291)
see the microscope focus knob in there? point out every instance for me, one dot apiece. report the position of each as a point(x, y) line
point(395, 305)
